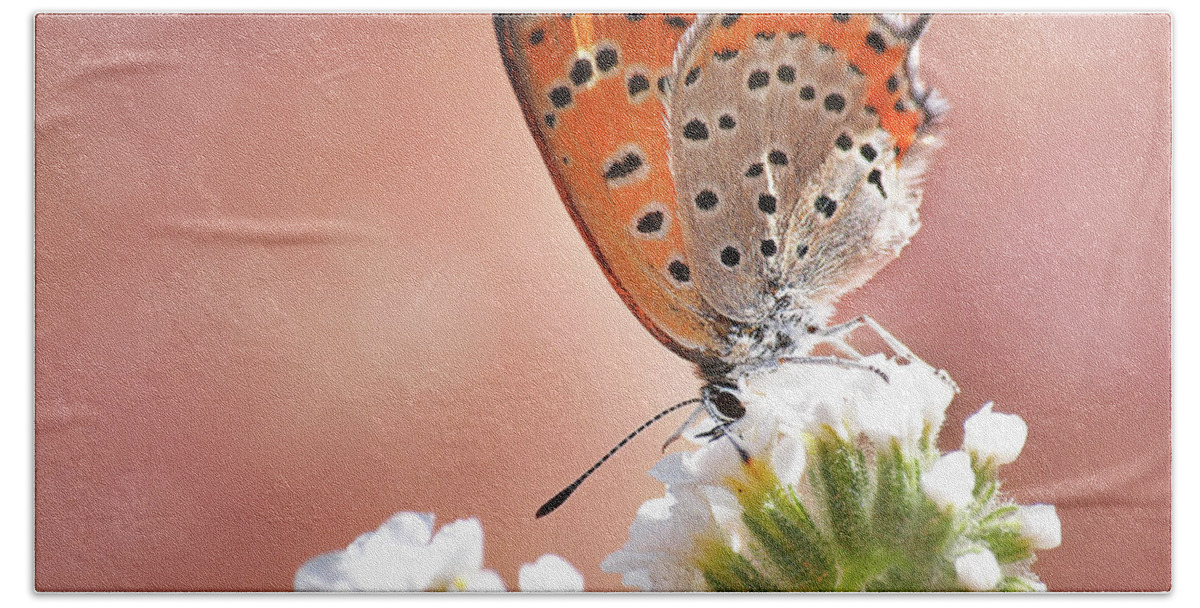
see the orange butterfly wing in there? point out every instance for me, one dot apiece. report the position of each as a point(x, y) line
point(592, 88)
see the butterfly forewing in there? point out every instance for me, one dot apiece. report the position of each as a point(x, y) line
point(592, 88)
point(787, 136)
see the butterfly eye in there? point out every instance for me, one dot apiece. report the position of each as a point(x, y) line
point(729, 406)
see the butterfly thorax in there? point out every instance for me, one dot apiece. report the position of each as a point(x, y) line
point(787, 330)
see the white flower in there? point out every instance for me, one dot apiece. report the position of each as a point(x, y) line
point(550, 574)
point(977, 571)
point(852, 398)
point(950, 481)
point(404, 555)
point(1040, 524)
point(660, 554)
point(997, 436)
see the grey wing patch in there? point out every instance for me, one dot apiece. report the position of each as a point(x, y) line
point(787, 184)
point(751, 131)
point(853, 218)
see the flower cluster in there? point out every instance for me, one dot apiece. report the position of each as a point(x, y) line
point(845, 489)
point(404, 555)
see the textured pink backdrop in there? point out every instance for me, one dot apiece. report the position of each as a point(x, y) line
point(296, 273)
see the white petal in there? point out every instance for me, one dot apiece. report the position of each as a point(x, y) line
point(950, 481)
point(1040, 524)
point(977, 571)
point(789, 460)
point(458, 547)
point(479, 581)
point(997, 436)
point(403, 555)
point(550, 573)
point(322, 573)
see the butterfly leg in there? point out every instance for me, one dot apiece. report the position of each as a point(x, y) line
point(702, 408)
point(722, 430)
point(838, 335)
point(839, 362)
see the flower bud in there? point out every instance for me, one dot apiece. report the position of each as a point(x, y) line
point(977, 571)
point(1040, 524)
point(999, 437)
point(950, 481)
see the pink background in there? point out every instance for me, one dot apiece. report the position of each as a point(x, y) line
point(296, 273)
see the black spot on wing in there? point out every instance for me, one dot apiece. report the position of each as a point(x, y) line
point(875, 41)
point(636, 84)
point(624, 167)
point(767, 203)
point(680, 271)
point(581, 72)
point(758, 79)
point(825, 206)
point(606, 59)
point(835, 102)
point(730, 256)
point(695, 130)
point(560, 97)
point(876, 177)
point(650, 223)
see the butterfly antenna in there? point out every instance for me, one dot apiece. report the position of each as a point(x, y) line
point(562, 497)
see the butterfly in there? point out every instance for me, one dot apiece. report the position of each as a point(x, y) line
point(733, 175)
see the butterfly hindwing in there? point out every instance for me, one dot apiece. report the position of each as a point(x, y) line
point(592, 88)
point(788, 140)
